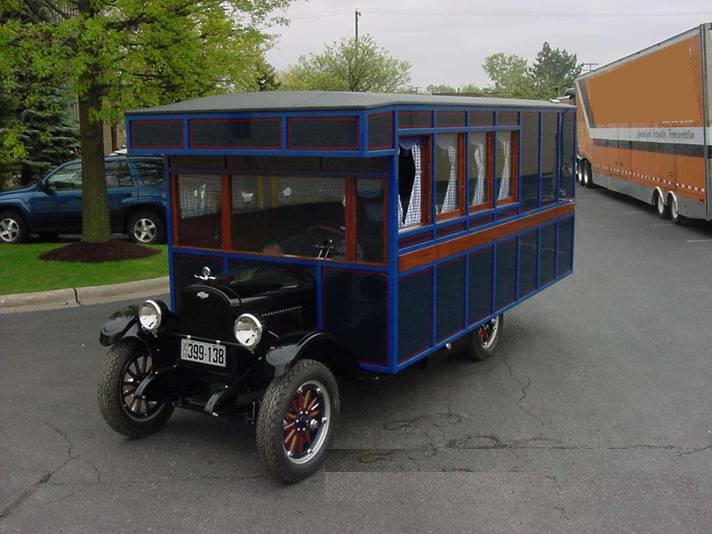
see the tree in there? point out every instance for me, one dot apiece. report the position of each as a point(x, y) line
point(440, 89)
point(349, 65)
point(49, 134)
point(510, 74)
point(553, 71)
point(123, 54)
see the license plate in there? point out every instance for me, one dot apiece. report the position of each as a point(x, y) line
point(208, 353)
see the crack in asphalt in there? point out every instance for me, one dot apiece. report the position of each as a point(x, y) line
point(441, 420)
point(523, 386)
point(46, 477)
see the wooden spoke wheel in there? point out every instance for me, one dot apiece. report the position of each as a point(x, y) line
point(126, 365)
point(484, 340)
point(297, 419)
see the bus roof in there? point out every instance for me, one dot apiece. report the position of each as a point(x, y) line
point(332, 100)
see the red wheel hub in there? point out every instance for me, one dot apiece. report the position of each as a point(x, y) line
point(302, 421)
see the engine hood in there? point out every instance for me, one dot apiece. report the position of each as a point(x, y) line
point(17, 191)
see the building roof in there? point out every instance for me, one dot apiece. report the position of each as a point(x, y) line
point(331, 100)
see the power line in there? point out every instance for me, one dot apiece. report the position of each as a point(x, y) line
point(518, 14)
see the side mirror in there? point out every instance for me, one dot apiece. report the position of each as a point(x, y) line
point(45, 188)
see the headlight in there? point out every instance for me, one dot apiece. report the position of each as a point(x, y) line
point(248, 330)
point(150, 315)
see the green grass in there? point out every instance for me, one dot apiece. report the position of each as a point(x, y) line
point(22, 271)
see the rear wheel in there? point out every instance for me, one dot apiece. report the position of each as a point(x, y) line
point(146, 227)
point(126, 365)
point(660, 206)
point(297, 419)
point(484, 340)
point(674, 211)
point(579, 171)
point(12, 228)
point(587, 174)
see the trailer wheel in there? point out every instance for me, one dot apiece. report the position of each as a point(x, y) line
point(579, 171)
point(674, 213)
point(660, 206)
point(484, 340)
point(297, 420)
point(587, 174)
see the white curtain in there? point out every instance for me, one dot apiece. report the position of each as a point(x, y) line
point(412, 215)
point(450, 201)
point(505, 179)
point(478, 146)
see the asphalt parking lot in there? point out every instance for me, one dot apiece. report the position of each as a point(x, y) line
point(595, 416)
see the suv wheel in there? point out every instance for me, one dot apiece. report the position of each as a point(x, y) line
point(146, 227)
point(12, 228)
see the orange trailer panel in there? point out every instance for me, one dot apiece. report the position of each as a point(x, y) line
point(644, 123)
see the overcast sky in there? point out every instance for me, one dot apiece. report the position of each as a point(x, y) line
point(447, 40)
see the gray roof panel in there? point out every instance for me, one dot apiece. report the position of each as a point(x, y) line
point(332, 100)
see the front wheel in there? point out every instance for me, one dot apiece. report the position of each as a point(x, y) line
point(484, 340)
point(12, 228)
point(126, 365)
point(297, 420)
point(660, 207)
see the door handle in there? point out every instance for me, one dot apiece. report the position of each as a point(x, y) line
point(127, 195)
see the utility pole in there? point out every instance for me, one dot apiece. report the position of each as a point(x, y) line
point(357, 14)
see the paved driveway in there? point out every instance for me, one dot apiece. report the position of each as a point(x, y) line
point(596, 416)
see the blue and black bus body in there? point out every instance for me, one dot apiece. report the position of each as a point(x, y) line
point(455, 209)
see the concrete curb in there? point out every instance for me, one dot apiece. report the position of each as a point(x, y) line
point(82, 296)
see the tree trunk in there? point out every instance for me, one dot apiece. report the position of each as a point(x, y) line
point(95, 205)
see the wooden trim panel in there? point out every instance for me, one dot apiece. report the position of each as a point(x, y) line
point(424, 256)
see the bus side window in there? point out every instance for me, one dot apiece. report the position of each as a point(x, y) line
point(413, 183)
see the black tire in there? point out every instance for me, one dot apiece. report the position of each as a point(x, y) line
point(579, 171)
point(111, 394)
point(479, 349)
point(675, 216)
point(588, 174)
point(146, 227)
point(277, 401)
point(661, 208)
point(13, 229)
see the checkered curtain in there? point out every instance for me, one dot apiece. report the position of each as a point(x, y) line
point(505, 144)
point(199, 195)
point(450, 202)
point(412, 215)
point(479, 146)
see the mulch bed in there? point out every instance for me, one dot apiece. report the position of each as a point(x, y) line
point(113, 250)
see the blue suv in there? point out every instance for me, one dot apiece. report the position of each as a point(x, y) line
point(53, 205)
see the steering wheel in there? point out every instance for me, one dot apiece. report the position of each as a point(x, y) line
point(328, 246)
point(326, 228)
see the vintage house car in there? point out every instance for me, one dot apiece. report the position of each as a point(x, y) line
point(314, 234)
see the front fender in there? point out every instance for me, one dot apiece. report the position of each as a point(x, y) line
point(319, 346)
point(119, 325)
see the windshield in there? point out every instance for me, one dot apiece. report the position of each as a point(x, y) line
point(289, 215)
point(325, 217)
point(258, 278)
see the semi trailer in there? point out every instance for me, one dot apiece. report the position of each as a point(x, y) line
point(644, 125)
